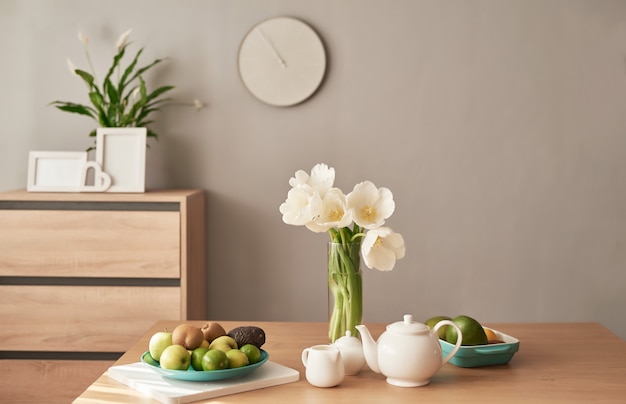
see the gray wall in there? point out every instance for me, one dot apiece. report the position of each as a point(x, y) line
point(500, 126)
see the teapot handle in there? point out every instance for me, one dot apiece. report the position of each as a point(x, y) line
point(459, 339)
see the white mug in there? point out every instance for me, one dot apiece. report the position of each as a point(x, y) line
point(324, 367)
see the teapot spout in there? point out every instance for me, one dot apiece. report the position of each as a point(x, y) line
point(370, 348)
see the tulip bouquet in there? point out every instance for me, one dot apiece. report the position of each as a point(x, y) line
point(355, 225)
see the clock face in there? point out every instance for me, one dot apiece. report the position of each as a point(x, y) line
point(282, 61)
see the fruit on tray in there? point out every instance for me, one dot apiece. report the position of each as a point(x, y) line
point(187, 335)
point(237, 358)
point(158, 342)
point(175, 357)
point(196, 357)
point(432, 322)
point(252, 352)
point(223, 343)
point(492, 338)
point(473, 332)
point(248, 335)
point(214, 359)
point(212, 330)
point(187, 347)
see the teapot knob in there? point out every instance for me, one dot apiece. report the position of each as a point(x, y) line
point(408, 319)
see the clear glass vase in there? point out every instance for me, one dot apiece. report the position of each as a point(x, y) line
point(345, 288)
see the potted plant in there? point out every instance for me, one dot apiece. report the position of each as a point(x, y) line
point(122, 99)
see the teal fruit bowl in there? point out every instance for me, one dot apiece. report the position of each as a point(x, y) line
point(192, 375)
point(482, 355)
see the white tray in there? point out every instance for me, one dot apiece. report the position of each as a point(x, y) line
point(169, 391)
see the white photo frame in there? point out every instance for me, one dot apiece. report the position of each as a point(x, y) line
point(121, 153)
point(53, 171)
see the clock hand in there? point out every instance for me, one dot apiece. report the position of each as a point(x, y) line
point(269, 44)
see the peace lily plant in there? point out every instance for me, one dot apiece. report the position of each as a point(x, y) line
point(122, 99)
point(354, 223)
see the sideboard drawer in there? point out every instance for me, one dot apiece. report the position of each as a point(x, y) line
point(81, 319)
point(85, 274)
point(90, 243)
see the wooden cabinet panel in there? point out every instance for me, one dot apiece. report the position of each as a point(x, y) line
point(81, 319)
point(90, 243)
point(88, 273)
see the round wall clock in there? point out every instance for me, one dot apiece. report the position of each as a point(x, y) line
point(282, 61)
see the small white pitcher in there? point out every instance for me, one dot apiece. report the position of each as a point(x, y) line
point(324, 367)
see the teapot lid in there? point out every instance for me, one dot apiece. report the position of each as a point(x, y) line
point(408, 326)
point(348, 340)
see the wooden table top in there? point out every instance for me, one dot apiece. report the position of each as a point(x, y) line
point(556, 362)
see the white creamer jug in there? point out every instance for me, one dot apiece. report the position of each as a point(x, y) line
point(324, 367)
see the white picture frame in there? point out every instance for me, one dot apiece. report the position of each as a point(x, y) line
point(55, 171)
point(121, 153)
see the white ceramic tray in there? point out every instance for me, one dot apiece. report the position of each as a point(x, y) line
point(171, 391)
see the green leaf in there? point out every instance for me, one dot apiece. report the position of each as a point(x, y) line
point(139, 72)
point(96, 100)
point(112, 114)
point(110, 90)
point(116, 62)
point(87, 78)
point(152, 134)
point(75, 108)
point(159, 91)
point(159, 101)
point(143, 123)
point(143, 114)
point(122, 83)
point(142, 89)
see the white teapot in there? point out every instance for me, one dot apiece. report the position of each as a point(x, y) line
point(407, 353)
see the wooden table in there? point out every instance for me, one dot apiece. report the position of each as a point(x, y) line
point(556, 362)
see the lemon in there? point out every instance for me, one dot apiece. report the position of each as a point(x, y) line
point(473, 332)
point(491, 335)
point(432, 322)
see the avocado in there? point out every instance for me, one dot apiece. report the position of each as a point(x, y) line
point(248, 335)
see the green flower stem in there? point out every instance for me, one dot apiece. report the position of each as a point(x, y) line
point(345, 284)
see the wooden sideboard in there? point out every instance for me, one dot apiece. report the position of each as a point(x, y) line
point(88, 273)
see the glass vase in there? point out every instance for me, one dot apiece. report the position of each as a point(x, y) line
point(345, 289)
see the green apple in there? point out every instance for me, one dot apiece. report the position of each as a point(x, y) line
point(433, 321)
point(252, 352)
point(214, 359)
point(196, 357)
point(237, 358)
point(223, 343)
point(175, 357)
point(158, 342)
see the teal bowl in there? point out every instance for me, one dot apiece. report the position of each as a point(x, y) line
point(192, 375)
point(482, 355)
